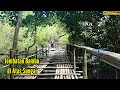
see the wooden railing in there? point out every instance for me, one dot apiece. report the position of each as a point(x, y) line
point(15, 54)
point(108, 57)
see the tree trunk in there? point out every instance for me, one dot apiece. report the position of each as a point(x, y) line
point(34, 34)
point(19, 22)
point(34, 38)
point(15, 40)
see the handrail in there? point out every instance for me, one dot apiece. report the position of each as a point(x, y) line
point(108, 57)
point(4, 53)
point(29, 55)
point(4, 66)
point(20, 53)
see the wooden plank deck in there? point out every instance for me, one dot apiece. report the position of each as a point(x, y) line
point(58, 63)
point(40, 69)
point(67, 73)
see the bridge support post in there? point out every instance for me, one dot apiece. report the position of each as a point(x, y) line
point(74, 60)
point(85, 65)
point(16, 57)
point(42, 51)
point(25, 52)
point(25, 56)
point(48, 49)
point(71, 56)
point(116, 73)
point(12, 54)
point(46, 52)
point(36, 52)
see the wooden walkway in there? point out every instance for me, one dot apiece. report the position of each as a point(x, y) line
point(57, 67)
point(65, 73)
point(40, 69)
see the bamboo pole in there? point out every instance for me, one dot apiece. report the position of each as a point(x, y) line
point(25, 52)
point(46, 52)
point(74, 60)
point(16, 57)
point(12, 52)
point(85, 66)
point(70, 53)
point(42, 51)
point(36, 52)
point(116, 73)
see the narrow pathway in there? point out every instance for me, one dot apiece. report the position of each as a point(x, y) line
point(56, 67)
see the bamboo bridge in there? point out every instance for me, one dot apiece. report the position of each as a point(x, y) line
point(61, 62)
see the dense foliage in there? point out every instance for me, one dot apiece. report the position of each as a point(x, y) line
point(93, 29)
point(89, 28)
